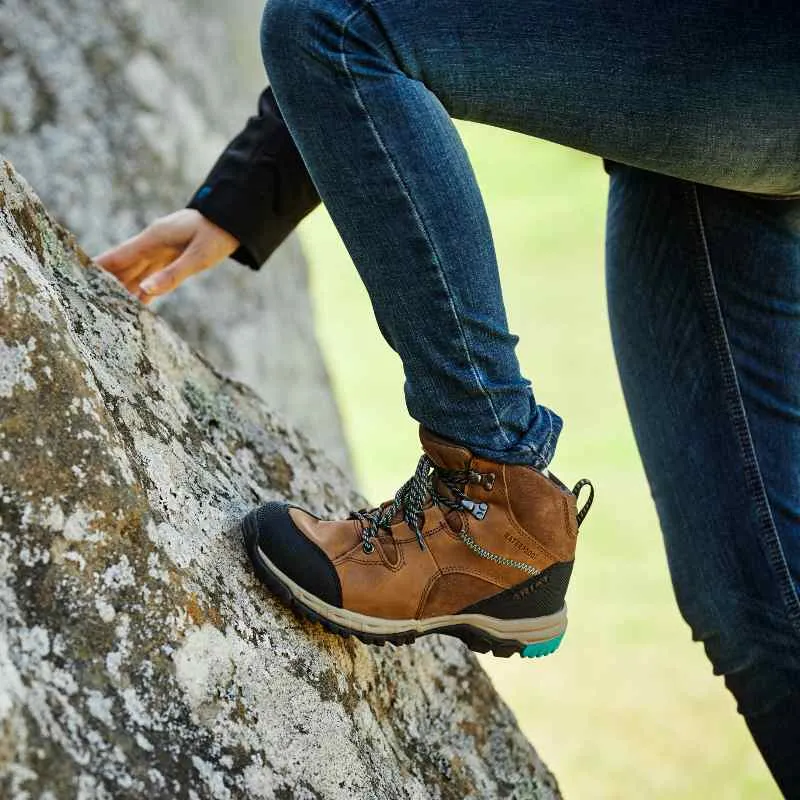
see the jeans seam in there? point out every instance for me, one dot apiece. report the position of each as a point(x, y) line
point(415, 212)
point(738, 415)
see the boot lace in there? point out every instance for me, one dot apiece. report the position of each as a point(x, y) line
point(421, 490)
point(410, 500)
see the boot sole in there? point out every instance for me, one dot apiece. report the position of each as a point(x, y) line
point(531, 638)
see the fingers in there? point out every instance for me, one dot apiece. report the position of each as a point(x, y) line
point(128, 256)
point(209, 245)
point(194, 259)
point(135, 259)
point(152, 249)
point(163, 255)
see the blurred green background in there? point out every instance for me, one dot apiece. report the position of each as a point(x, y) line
point(628, 707)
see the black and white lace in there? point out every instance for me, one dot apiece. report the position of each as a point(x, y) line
point(410, 500)
point(420, 490)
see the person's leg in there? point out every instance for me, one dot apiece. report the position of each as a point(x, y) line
point(705, 91)
point(704, 300)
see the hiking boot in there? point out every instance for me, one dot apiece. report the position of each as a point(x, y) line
point(468, 547)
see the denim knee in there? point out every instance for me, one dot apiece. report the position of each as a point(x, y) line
point(289, 28)
point(301, 38)
point(298, 34)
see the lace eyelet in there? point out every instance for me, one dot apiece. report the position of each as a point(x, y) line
point(487, 481)
point(368, 547)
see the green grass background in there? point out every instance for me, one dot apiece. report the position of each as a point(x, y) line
point(628, 707)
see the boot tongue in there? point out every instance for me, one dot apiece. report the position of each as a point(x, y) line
point(443, 453)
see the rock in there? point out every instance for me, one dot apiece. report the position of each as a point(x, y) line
point(115, 112)
point(138, 655)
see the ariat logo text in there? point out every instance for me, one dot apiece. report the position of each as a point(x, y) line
point(522, 593)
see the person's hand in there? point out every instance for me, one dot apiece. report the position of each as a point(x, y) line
point(167, 252)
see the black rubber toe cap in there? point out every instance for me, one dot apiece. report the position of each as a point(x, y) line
point(269, 531)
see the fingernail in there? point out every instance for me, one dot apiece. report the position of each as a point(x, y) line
point(149, 286)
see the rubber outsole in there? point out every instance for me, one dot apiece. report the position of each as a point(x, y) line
point(477, 640)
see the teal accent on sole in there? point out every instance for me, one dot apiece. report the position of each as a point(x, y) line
point(541, 648)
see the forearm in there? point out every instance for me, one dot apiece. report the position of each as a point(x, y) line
point(259, 188)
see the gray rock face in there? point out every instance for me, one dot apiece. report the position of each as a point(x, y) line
point(115, 112)
point(138, 655)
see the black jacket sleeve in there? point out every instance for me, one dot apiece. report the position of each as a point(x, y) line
point(259, 189)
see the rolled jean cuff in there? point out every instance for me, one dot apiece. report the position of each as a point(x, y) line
point(535, 447)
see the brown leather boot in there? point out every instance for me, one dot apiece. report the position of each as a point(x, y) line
point(468, 547)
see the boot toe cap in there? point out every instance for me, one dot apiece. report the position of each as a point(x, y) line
point(274, 542)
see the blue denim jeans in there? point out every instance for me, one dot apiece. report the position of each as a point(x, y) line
point(695, 105)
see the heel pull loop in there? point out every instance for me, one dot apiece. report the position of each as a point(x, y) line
point(581, 515)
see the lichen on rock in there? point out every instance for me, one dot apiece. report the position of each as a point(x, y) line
point(113, 117)
point(138, 655)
